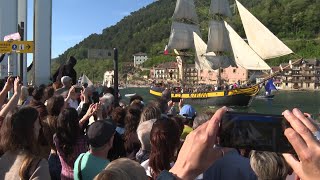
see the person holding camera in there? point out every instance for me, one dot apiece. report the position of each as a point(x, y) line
point(197, 152)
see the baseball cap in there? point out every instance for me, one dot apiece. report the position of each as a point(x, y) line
point(187, 111)
point(100, 132)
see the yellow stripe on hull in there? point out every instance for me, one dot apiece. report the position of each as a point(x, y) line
point(250, 91)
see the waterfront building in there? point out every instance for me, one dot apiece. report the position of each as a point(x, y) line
point(108, 78)
point(165, 71)
point(303, 74)
point(139, 58)
point(190, 74)
point(229, 75)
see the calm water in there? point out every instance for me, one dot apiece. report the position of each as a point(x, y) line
point(306, 101)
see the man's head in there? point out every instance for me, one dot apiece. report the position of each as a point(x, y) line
point(188, 112)
point(72, 61)
point(66, 81)
point(100, 135)
point(107, 102)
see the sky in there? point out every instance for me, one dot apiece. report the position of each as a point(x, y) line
point(74, 20)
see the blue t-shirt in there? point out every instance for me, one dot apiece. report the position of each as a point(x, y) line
point(90, 166)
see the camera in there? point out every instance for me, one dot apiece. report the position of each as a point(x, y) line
point(254, 131)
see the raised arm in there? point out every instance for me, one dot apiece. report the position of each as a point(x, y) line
point(14, 99)
point(7, 87)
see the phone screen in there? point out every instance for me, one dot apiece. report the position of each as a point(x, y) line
point(175, 99)
point(254, 132)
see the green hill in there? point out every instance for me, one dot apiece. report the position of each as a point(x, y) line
point(296, 22)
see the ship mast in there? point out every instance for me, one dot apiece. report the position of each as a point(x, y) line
point(218, 39)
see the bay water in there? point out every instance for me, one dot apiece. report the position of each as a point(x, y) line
point(306, 101)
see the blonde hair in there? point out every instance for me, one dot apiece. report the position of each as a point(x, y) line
point(122, 169)
point(269, 165)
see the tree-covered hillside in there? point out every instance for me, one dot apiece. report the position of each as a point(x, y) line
point(297, 22)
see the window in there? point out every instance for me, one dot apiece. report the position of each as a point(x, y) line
point(286, 84)
point(235, 70)
point(308, 84)
point(221, 70)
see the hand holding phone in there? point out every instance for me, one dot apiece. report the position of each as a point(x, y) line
point(254, 132)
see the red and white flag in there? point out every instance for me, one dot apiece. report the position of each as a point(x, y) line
point(166, 52)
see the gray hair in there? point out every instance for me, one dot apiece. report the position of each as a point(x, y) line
point(107, 100)
point(143, 131)
point(269, 165)
point(200, 119)
point(66, 80)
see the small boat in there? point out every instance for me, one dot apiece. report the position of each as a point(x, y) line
point(129, 95)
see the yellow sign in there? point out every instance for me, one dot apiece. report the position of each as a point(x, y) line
point(5, 47)
point(17, 47)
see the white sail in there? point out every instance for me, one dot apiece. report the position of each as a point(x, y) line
point(244, 56)
point(85, 79)
point(200, 47)
point(185, 9)
point(181, 36)
point(260, 38)
point(218, 39)
point(208, 61)
point(220, 7)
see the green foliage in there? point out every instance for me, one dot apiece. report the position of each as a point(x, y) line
point(145, 73)
point(148, 30)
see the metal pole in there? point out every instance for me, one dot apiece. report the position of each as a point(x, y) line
point(21, 31)
point(116, 85)
point(22, 21)
point(10, 73)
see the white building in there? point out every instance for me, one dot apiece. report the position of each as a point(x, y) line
point(139, 58)
point(108, 78)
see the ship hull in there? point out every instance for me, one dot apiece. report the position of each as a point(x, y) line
point(235, 97)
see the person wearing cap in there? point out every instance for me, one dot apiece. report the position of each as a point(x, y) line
point(188, 113)
point(100, 139)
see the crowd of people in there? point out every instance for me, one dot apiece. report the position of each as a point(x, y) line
point(49, 133)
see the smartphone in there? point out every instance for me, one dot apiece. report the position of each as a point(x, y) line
point(254, 131)
point(78, 89)
point(175, 99)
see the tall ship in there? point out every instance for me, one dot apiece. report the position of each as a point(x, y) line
point(223, 49)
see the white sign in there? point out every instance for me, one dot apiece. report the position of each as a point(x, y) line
point(15, 37)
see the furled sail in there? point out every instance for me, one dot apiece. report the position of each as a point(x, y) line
point(218, 39)
point(220, 7)
point(181, 36)
point(185, 10)
point(209, 61)
point(244, 56)
point(260, 38)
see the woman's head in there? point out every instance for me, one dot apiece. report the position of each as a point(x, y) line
point(269, 165)
point(68, 129)
point(20, 130)
point(55, 105)
point(48, 92)
point(150, 112)
point(118, 115)
point(132, 119)
point(122, 169)
point(38, 93)
point(165, 139)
